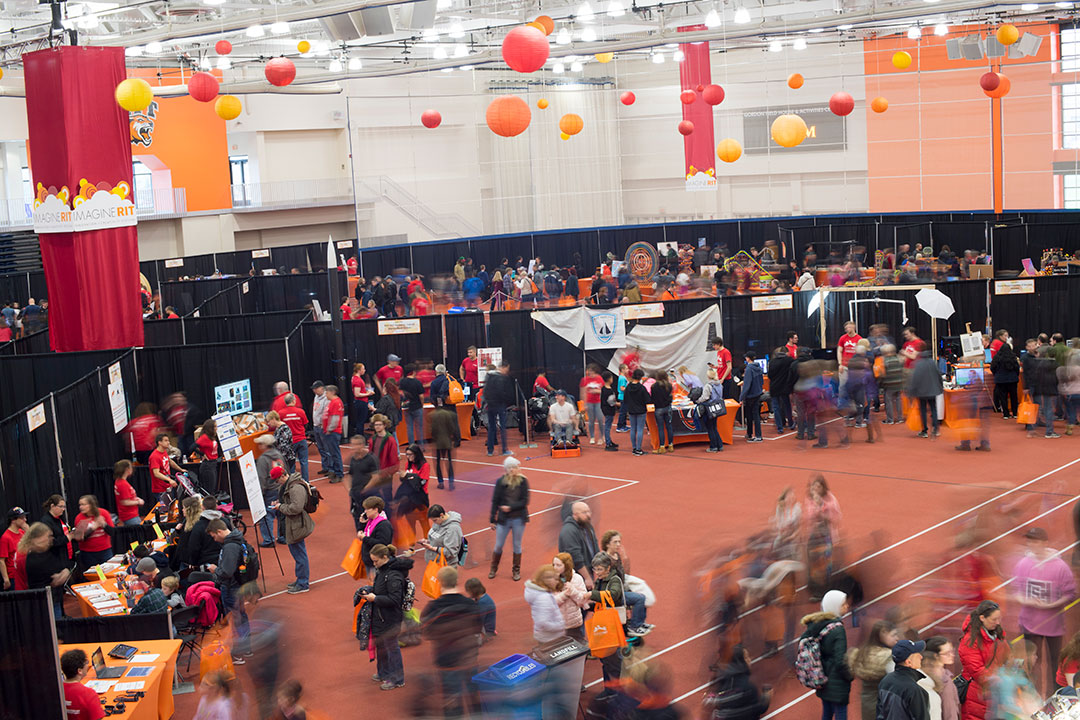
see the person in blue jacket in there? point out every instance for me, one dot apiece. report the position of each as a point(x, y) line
point(753, 385)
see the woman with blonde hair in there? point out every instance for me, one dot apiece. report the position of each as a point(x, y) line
point(282, 437)
point(572, 596)
point(540, 593)
point(509, 513)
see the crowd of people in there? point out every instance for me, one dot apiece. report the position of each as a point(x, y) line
point(17, 321)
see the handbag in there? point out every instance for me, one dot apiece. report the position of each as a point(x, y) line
point(914, 417)
point(1027, 413)
point(404, 534)
point(715, 409)
point(604, 629)
point(353, 562)
point(456, 391)
point(961, 684)
point(431, 585)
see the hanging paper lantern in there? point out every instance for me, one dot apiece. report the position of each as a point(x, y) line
point(901, 60)
point(1007, 34)
point(879, 104)
point(223, 47)
point(508, 115)
point(729, 150)
point(134, 94)
point(303, 46)
point(841, 103)
point(686, 127)
point(227, 107)
point(525, 49)
point(542, 103)
point(536, 25)
point(713, 94)
point(547, 23)
point(564, 136)
point(788, 130)
point(1004, 85)
point(202, 86)
point(700, 89)
point(795, 81)
point(571, 124)
point(687, 96)
point(989, 81)
point(627, 98)
point(431, 118)
point(280, 71)
point(604, 57)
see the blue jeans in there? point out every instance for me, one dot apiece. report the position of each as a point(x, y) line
point(388, 654)
point(607, 429)
point(596, 419)
point(635, 605)
point(332, 448)
point(663, 427)
point(266, 525)
point(637, 430)
point(782, 412)
point(239, 621)
point(1072, 402)
point(298, 550)
point(561, 433)
point(829, 711)
point(1046, 411)
point(300, 451)
point(414, 426)
point(622, 416)
point(515, 525)
point(497, 417)
point(132, 521)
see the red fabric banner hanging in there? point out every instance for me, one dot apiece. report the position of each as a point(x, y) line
point(695, 71)
point(78, 132)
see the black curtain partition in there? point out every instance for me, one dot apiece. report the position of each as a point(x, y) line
point(959, 236)
point(242, 328)
point(159, 333)
point(274, 293)
point(490, 251)
point(193, 266)
point(434, 258)
point(1010, 247)
point(362, 343)
point(114, 628)
point(290, 258)
point(1051, 308)
point(316, 347)
point(515, 333)
point(30, 678)
point(29, 378)
point(186, 295)
point(386, 261)
point(463, 330)
point(560, 248)
point(29, 467)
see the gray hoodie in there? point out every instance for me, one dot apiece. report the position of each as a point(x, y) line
point(263, 464)
point(447, 536)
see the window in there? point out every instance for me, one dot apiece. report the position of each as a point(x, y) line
point(1070, 116)
point(238, 169)
point(1072, 191)
point(144, 186)
point(1070, 49)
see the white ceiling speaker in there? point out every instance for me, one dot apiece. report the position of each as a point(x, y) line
point(994, 48)
point(972, 47)
point(952, 49)
point(1029, 44)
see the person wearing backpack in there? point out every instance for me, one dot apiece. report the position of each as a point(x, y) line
point(298, 500)
point(736, 697)
point(820, 663)
point(227, 579)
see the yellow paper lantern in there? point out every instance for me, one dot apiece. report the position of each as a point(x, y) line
point(227, 107)
point(1, 72)
point(303, 46)
point(542, 103)
point(538, 26)
point(134, 94)
point(729, 150)
point(879, 104)
point(788, 130)
point(901, 60)
point(604, 57)
point(1007, 34)
point(564, 136)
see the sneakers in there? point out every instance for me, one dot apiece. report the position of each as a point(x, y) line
point(622, 429)
point(335, 479)
point(922, 434)
point(490, 453)
point(592, 441)
point(612, 447)
point(376, 678)
point(1052, 435)
point(391, 686)
point(295, 589)
point(712, 450)
point(440, 485)
point(238, 660)
point(639, 632)
point(639, 452)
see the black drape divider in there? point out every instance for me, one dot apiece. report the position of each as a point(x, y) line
point(362, 343)
point(491, 250)
point(39, 289)
point(316, 348)
point(32, 344)
point(618, 240)
point(271, 293)
point(385, 261)
point(158, 333)
point(194, 265)
point(30, 679)
point(149, 270)
point(918, 232)
point(29, 466)
point(242, 328)
point(515, 333)
point(463, 330)
point(186, 295)
point(226, 301)
point(437, 258)
point(27, 378)
point(1051, 308)
point(114, 628)
point(562, 249)
point(98, 481)
point(959, 236)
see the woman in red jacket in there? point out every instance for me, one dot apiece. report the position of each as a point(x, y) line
point(982, 646)
point(95, 545)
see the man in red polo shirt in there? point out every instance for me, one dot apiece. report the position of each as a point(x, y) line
point(295, 418)
point(127, 502)
point(9, 542)
point(468, 372)
point(911, 348)
point(161, 466)
point(845, 349)
point(792, 346)
point(723, 366)
point(80, 702)
point(392, 369)
point(281, 389)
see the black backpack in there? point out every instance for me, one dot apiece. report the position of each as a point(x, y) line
point(248, 569)
point(313, 498)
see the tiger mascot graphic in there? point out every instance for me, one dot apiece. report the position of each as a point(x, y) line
point(142, 125)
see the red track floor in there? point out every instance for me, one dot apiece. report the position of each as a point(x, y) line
point(904, 499)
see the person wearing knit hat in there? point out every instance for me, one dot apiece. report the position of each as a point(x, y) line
point(827, 626)
point(276, 472)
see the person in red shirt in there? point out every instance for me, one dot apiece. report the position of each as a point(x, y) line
point(792, 346)
point(332, 429)
point(592, 385)
point(723, 366)
point(295, 419)
point(281, 389)
point(9, 543)
point(541, 385)
point(421, 305)
point(80, 702)
point(95, 547)
point(5, 331)
point(392, 369)
point(127, 502)
point(845, 349)
point(346, 310)
point(207, 443)
point(1001, 337)
point(468, 371)
point(139, 434)
point(170, 314)
point(911, 348)
point(161, 466)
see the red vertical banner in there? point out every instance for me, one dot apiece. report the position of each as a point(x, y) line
point(695, 72)
point(80, 157)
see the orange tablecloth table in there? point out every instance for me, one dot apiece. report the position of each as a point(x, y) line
point(156, 545)
point(157, 704)
point(464, 416)
point(682, 422)
point(109, 585)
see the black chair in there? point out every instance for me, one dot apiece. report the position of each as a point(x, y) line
point(188, 631)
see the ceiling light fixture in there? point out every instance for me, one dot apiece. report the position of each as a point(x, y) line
point(444, 5)
point(153, 47)
point(817, 30)
point(678, 56)
point(941, 29)
point(456, 30)
point(563, 38)
point(799, 44)
point(255, 31)
point(588, 35)
point(205, 64)
point(133, 51)
point(712, 19)
point(576, 67)
point(844, 27)
point(914, 33)
point(87, 22)
point(355, 64)
point(585, 11)
point(742, 16)
point(322, 48)
point(460, 50)
point(335, 66)
point(224, 63)
point(1063, 5)
point(1029, 7)
point(558, 68)
point(615, 9)
point(430, 35)
point(439, 53)
point(465, 68)
point(279, 28)
point(658, 58)
point(931, 1)
point(775, 46)
point(213, 2)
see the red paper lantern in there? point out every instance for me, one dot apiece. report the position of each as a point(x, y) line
point(713, 94)
point(525, 49)
point(508, 115)
point(1004, 85)
point(627, 98)
point(700, 88)
point(686, 127)
point(841, 103)
point(280, 71)
point(989, 81)
point(202, 86)
point(687, 96)
point(431, 118)
point(223, 47)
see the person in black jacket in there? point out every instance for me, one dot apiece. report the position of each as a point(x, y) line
point(388, 593)
point(827, 626)
point(201, 548)
point(509, 513)
point(781, 385)
point(736, 697)
point(1006, 370)
point(1028, 363)
point(375, 530)
point(900, 697)
point(636, 401)
point(454, 624)
point(498, 396)
point(1044, 387)
point(62, 535)
point(661, 398)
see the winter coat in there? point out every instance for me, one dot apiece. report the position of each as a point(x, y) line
point(548, 623)
point(208, 591)
point(454, 624)
point(230, 555)
point(837, 688)
point(1005, 366)
point(447, 536)
point(950, 697)
point(613, 585)
point(571, 603)
point(445, 431)
point(516, 498)
point(737, 698)
point(376, 532)
point(925, 380)
point(1043, 378)
point(781, 375)
point(893, 378)
point(753, 383)
point(498, 390)
point(977, 663)
point(636, 399)
point(900, 697)
point(386, 407)
point(632, 293)
point(270, 456)
point(661, 395)
point(298, 523)
point(870, 665)
point(202, 549)
point(389, 590)
point(579, 541)
point(927, 683)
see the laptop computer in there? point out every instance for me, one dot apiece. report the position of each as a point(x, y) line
point(102, 671)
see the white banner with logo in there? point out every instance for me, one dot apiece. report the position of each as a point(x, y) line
point(95, 207)
point(672, 345)
point(567, 324)
point(604, 329)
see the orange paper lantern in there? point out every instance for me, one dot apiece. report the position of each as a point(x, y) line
point(729, 150)
point(1007, 34)
point(202, 86)
point(536, 25)
point(1004, 85)
point(542, 103)
point(280, 71)
point(788, 130)
point(508, 115)
point(571, 124)
point(795, 81)
point(525, 49)
point(879, 104)
point(547, 23)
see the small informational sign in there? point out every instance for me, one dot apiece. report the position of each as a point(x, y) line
point(244, 288)
point(664, 247)
point(403, 326)
point(487, 356)
point(709, 270)
point(35, 416)
point(174, 263)
point(118, 405)
point(344, 244)
point(114, 373)
point(260, 253)
point(771, 302)
point(1029, 267)
point(645, 310)
point(252, 487)
point(971, 345)
point(1014, 287)
point(227, 436)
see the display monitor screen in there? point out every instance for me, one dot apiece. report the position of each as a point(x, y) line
point(764, 363)
point(966, 376)
point(233, 398)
